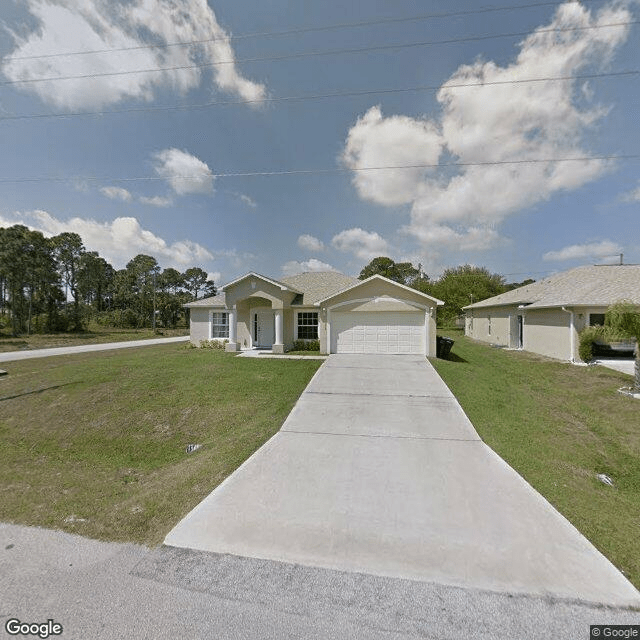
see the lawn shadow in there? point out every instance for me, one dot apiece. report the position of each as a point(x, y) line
point(453, 357)
point(28, 393)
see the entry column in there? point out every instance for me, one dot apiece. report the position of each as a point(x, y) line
point(278, 345)
point(233, 331)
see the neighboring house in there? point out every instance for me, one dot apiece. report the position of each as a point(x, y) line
point(545, 317)
point(344, 314)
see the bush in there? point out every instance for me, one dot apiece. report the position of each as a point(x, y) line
point(306, 345)
point(587, 337)
point(213, 344)
point(590, 335)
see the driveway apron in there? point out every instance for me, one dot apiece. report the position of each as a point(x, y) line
point(378, 470)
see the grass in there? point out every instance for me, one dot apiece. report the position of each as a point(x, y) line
point(303, 353)
point(95, 443)
point(559, 426)
point(94, 335)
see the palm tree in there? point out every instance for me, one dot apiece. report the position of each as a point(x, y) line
point(625, 317)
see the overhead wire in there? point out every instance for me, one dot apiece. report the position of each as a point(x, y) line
point(302, 30)
point(310, 54)
point(320, 96)
point(320, 171)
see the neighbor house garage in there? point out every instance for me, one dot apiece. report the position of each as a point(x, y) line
point(344, 314)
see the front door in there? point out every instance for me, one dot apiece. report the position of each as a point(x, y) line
point(264, 329)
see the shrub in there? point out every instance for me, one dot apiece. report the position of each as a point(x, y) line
point(590, 335)
point(306, 345)
point(213, 344)
point(587, 337)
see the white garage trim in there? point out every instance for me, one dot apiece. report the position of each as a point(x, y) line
point(392, 332)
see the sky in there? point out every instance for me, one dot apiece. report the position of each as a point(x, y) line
point(283, 137)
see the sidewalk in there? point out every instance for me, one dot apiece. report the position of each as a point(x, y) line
point(12, 356)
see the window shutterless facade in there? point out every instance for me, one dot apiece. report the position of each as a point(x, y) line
point(308, 325)
point(219, 324)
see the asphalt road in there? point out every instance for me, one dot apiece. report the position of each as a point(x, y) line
point(108, 591)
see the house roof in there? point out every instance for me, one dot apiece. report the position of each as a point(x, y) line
point(253, 274)
point(317, 285)
point(597, 285)
point(357, 283)
point(310, 286)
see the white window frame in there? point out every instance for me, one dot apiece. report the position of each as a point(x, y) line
point(212, 316)
point(298, 313)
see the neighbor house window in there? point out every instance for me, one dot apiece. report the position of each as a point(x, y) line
point(489, 324)
point(219, 324)
point(308, 325)
point(596, 319)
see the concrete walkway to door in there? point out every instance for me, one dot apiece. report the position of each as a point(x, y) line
point(378, 470)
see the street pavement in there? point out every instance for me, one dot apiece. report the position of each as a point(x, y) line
point(108, 591)
point(12, 356)
point(378, 470)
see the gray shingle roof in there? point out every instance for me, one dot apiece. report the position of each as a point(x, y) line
point(214, 301)
point(597, 285)
point(314, 285)
point(317, 285)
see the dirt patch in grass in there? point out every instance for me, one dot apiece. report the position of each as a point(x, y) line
point(95, 443)
point(559, 426)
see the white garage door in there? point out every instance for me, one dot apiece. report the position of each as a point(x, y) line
point(378, 332)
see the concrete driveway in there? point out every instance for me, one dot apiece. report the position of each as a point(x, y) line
point(378, 470)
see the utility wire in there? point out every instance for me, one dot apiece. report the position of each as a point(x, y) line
point(302, 30)
point(321, 171)
point(319, 96)
point(311, 54)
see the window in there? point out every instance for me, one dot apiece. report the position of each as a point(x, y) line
point(596, 319)
point(219, 324)
point(308, 325)
point(489, 324)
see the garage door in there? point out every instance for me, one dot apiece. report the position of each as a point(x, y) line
point(378, 332)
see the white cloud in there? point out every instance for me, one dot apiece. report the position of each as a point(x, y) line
point(117, 241)
point(375, 141)
point(215, 276)
point(632, 196)
point(248, 201)
point(116, 193)
point(602, 249)
point(310, 243)
point(363, 244)
point(76, 25)
point(184, 172)
point(292, 267)
point(156, 201)
point(499, 124)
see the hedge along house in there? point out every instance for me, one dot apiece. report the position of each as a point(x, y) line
point(344, 314)
point(546, 317)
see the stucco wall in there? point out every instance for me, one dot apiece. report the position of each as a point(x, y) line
point(501, 325)
point(546, 332)
point(199, 325)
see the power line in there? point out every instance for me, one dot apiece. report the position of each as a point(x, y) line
point(301, 30)
point(311, 54)
point(320, 171)
point(319, 96)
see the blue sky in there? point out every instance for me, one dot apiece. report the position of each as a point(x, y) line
point(146, 180)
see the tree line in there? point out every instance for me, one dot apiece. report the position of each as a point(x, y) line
point(55, 284)
point(457, 287)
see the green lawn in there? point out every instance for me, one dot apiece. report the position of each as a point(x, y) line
point(95, 443)
point(94, 335)
point(559, 426)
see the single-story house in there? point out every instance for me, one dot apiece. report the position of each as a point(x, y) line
point(545, 317)
point(344, 314)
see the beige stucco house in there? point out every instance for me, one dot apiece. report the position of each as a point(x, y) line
point(545, 317)
point(344, 314)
